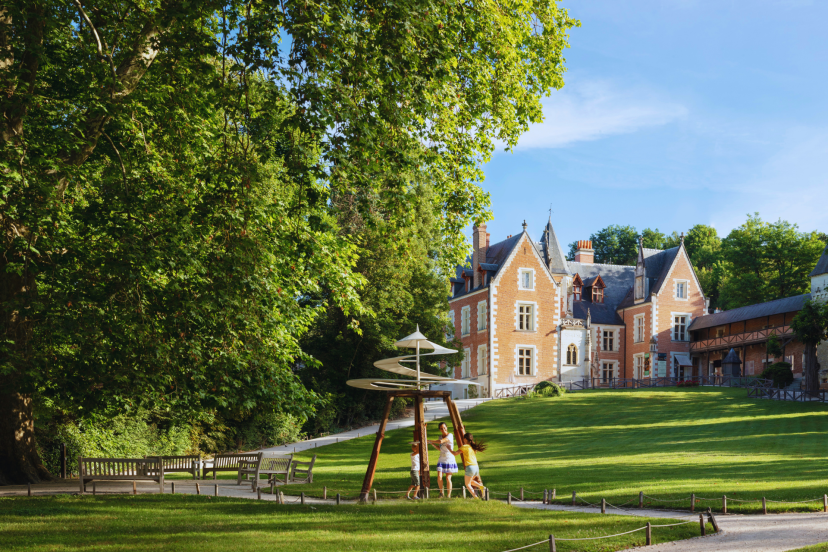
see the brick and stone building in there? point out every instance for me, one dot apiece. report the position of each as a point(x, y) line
point(525, 314)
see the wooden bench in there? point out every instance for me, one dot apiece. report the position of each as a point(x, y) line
point(178, 464)
point(119, 469)
point(275, 465)
point(231, 462)
point(306, 474)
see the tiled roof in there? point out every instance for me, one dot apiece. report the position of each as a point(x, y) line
point(618, 280)
point(498, 252)
point(822, 264)
point(657, 264)
point(769, 308)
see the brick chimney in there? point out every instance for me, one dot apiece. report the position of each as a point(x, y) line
point(480, 243)
point(585, 253)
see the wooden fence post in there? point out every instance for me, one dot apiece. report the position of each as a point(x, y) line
point(649, 534)
point(375, 496)
point(713, 519)
point(521, 494)
point(701, 523)
point(259, 493)
point(693, 502)
point(764, 506)
point(641, 499)
point(552, 543)
point(94, 488)
point(325, 493)
point(464, 492)
point(215, 489)
point(545, 494)
point(603, 505)
point(487, 494)
point(134, 488)
point(173, 487)
point(724, 504)
point(553, 494)
point(302, 498)
point(573, 498)
point(198, 488)
point(508, 498)
point(337, 499)
point(825, 503)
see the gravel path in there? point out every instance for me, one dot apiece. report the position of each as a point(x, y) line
point(759, 533)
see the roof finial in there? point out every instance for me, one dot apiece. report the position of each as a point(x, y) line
point(682, 238)
point(524, 225)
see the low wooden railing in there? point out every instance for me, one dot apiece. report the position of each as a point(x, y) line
point(737, 340)
point(516, 391)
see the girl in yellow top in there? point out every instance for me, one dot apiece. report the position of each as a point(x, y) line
point(469, 449)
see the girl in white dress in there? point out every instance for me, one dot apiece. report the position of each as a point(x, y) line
point(446, 464)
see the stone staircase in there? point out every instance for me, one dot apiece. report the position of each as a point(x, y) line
point(795, 386)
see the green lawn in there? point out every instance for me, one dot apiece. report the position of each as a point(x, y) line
point(205, 524)
point(666, 442)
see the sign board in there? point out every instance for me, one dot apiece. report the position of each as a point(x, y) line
point(662, 368)
point(646, 355)
point(662, 356)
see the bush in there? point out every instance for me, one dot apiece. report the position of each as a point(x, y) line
point(547, 389)
point(688, 383)
point(780, 373)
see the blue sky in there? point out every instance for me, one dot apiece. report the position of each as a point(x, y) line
point(676, 112)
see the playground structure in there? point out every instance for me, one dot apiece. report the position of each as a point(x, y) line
point(416, 388)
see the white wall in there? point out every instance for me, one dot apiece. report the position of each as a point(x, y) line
point(578, 337)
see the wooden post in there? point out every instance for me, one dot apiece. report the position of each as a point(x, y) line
point(302, 498)
point(173, 487)
point(375, 496)
point(282, 497)
point(713, 519)
point(724, 504)
point(508, 498)
point(259, 493)
point(215, 490)
point(641, 499)
point(545, 494)
point(603, 505)
point(521, 494)
point(573, 498)
point(419, 420)
point(764, 506)
point(325, 493)
point(457, 425)
point(693, 502)
point(372, 464)
point(649, 534)
point(552, 543)
point(464, 491)
point(553, 494)
point(134, 488)
point(63, 460)
point(198, 488)
point(701, 523)
point(337, 499)
point(29, 489)
point(825, 503)
point(272, 486)
point(487, 494)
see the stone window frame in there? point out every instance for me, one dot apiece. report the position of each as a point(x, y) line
point(614, 339)
point(482, 355)
point(686, 290)
point(484, 320)
point(687, 322)
point(534, 317)
point(643, 326)
point(521, 272)
point(534, 357)
point(465, 320)
point(465, 367)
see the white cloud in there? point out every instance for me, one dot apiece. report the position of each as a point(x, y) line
point(590, 110)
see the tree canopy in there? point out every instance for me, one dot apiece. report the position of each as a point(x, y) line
point(176, 176)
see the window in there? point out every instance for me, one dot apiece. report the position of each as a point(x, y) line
point(609, 340)
point(526, 317)
point(639, 287)
point(481, 360)
point(607, 371)
point(525, 362)
point(597, 295)
point(680, 328)
point(465, 320)
point(465, 368)
point(527, 278)
point(450, 329)
point(577, 292)
point(678, 369)
point(572, 354)
point(639, 366)
point(639, 328)
point(481, 316)
point(681, 290)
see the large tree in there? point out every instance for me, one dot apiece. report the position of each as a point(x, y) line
point(172, 170)
point(810, 325)
point(766, 261)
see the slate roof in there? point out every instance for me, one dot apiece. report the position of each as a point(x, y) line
point(657, 264)
point(822, 264)
point(769, 308)
point(551, 250)
point(618, 280)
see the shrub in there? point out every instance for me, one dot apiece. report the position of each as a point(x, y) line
point(473, 391)
point(688, 383)
point(547, 389)
point(780, 373)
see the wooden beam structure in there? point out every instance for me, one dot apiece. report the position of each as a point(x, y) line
point(420, 434)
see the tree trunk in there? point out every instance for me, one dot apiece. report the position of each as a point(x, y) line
point(19, 461)
point(811, 370)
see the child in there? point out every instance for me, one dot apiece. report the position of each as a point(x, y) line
point(415, 472)
point(470, 460)
point(446, 465)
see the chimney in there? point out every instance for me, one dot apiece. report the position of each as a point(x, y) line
point(585, 254)
point(479, 246)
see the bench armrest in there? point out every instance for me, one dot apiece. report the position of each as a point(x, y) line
point(297, 462)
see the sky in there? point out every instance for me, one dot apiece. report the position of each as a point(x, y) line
point(675, 113)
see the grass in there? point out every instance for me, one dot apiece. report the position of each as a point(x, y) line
point(822, 547)
point(205, 524)
point(666, 442)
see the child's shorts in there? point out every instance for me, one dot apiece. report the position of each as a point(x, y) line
point(415, 478)
point(471, 471)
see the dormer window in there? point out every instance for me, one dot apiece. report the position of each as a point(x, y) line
point(639, 287)
point(577, 292)
point(597, 295)
point(577, 287)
